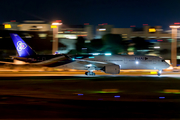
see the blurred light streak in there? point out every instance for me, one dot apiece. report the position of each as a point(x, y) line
point(177, 23)
point(161, 97)
point(117, 96)
point(56, 23)
point(80, 94)
point(102, 29)
point(156, 47)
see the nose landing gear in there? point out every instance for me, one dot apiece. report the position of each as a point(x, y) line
point(89, 73)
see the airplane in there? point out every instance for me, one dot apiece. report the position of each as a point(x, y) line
point(108, 64)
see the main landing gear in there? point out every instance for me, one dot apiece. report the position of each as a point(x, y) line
point(89, 73)
point(90, 70)
point(159, 72)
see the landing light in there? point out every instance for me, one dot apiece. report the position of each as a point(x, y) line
point(137, 62)
point(89, 65)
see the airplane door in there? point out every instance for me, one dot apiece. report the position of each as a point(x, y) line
point(154, 60)
point(125, 60)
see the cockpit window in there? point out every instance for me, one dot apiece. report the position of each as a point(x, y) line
point(163, 60)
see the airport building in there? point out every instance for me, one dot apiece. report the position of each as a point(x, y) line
point(66, 34)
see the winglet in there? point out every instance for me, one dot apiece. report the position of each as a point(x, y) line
point(22, 48)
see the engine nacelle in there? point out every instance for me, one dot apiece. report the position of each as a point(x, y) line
point(111, 69)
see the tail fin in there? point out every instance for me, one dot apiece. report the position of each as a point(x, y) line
point(22, 48)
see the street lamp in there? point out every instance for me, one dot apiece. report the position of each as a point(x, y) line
point(55, 26)
point(174, 44)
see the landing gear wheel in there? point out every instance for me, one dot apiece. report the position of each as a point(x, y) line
point(89, 73)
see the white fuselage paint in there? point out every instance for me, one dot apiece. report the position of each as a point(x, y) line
point(125, 62)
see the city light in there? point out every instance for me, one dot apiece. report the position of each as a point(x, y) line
point(174, 26)
point(95, 53)
point(7, 26)
point(152, 30)
point(56, 23)
point(53, 26)
point(102, 29)
point(156, 47)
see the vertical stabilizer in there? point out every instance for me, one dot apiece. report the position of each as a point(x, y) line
point(22, 48)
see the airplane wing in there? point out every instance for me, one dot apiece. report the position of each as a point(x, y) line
point(52, 61)
point(96, 64)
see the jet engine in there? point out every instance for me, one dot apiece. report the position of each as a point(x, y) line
point(111, 69)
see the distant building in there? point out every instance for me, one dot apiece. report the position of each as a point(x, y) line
point(30, 25)
point(156, 35)
point(67, 34)
point(147, 32)
point(74, 31)
point(103, 29)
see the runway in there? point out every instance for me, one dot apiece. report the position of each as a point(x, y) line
point(63, 94)
point(82, 73)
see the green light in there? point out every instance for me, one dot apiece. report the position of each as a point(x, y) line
point(91, 57)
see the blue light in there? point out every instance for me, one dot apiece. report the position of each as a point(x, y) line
point(80, 94)
point(117, 96)
point(161, 97)
point(79, 57)
point(91, 57)
point(73, 58)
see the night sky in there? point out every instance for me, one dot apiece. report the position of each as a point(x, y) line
point(120, 13)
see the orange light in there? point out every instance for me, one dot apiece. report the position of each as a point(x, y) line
point(19, 25)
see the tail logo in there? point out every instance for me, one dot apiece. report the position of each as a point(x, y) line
point(21, 46)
